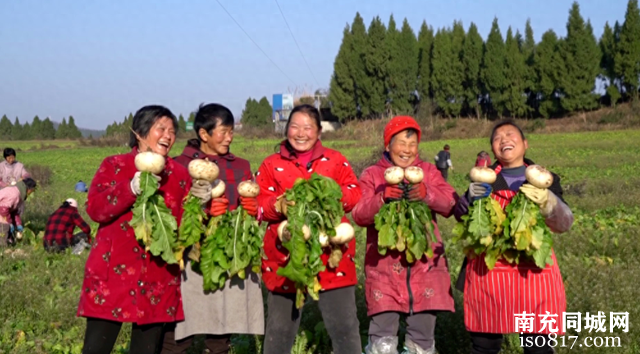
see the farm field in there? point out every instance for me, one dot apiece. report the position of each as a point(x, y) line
point(599, 258)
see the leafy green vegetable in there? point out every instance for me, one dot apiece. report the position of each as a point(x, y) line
point(233, 242)
point(317, 205)
point(406, 227)
point(154, 225)
point(528, 231)
point(192, 225)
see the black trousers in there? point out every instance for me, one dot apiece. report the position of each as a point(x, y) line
point(101, 335)
point(490, 343)
point(444, 172)
point(216, 344)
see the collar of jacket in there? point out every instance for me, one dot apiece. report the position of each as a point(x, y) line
point(192, 151)
point(23, 190)
point(318, 151)
point(385, 161)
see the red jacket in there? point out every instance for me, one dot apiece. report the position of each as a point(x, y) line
point(122, 282)
point(277, 173)
point(391, 283)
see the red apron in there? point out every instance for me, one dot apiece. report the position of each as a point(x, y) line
point(493, 298)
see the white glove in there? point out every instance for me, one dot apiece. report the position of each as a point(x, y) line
point(201, 189)
point(135, 182)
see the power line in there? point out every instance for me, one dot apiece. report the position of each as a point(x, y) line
point(256, 44)
point(294, 39)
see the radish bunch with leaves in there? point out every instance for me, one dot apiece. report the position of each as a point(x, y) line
point(403, 225)
point(233, 242)
point(481, 230)
point(313, 223)
point(192, 225)
point(153, 224)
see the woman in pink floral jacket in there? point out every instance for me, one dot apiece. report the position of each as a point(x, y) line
point(123, 282)
point(393, 286)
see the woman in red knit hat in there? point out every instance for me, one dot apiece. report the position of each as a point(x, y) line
point(393, 286)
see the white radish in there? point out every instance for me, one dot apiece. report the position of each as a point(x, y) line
point(218, 189)
point(482, 175)
point(538, 176)
point(284, 234)
point(414, 174)
point(149, 161)
point(324, 239)
point(394, 175)
point(344, 234)
point(203, 170)
point(248, 189)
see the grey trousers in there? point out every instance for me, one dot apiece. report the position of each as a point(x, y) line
point(4, 234)
point(420, 327)
point(338, 308)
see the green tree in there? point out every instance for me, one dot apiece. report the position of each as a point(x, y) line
point(27, 134)
point(182, 124)
point(265, 111)
point(257, 114)
point(48, 131)
point(356, 65)
point(471, 59)
point(627, 59)
point(395, 64)
point(608, 48)
point(492, 71)
point(376, 61)
point(405, 66)
point(447, 73)
point(192, 117)
point(549, 66)
point(17, 132)
point(342, 87)
point(35, 130)
point(5, 128)
point(582, 64)
point(425, 45)
point(63, 130)
point(74, 132)
point(528, 51)
point(515, 100)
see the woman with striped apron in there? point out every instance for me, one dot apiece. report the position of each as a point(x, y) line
point(494, 299)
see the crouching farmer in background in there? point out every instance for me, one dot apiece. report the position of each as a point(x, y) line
point(11, 202)
point(393, 286)
point(59, 232)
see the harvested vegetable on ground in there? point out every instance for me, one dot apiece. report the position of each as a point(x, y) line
point(403, 225)
point(192, 225)
point(529, 233)
point(154, 225)
point(233, 243)
point(481, 229)
point(313, 222)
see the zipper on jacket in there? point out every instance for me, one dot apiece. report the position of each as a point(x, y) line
point(409, 289)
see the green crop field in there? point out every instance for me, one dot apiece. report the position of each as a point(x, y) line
point(599, 258)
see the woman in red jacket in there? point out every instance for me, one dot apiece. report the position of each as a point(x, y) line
point(394, 287)
point(123, 282)
point(300, 155)
point(493, 297)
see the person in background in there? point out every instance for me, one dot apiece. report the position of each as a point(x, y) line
point(11, 202)
point(443, 162)
point(483, 160)
point(81, 187)
point(58, 234)
point(11, 171)
point(237, 307)
point(123, 282)
point(390, 279)
point(301, 154)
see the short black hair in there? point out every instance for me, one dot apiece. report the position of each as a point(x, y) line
point(502, 123)
point(446, 146)
point(30, 183)
point(8, 152)
point(307, 109)
point(145, 118)
point(210, 116)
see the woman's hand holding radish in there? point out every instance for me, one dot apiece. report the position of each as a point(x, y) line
point(250, 204)
point(478, 190)
point(417, 192)
point(219, 206)
point(201, 189)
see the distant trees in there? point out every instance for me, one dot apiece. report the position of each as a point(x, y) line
point(38, 129)
point(257, 113)
point(385, 70)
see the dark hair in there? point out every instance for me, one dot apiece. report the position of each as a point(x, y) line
point(30, 183)
point(307, 109)
point(502, 123)
point(408, 134)
point(65, 204)
point(145, 118)
point(446, 146)
point(8, 152)
point(211, 116)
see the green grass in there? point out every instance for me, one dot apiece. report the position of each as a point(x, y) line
point(599, 258)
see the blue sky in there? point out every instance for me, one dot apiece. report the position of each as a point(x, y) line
point(99, 60)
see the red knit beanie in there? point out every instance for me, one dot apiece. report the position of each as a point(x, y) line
point(398, 124)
